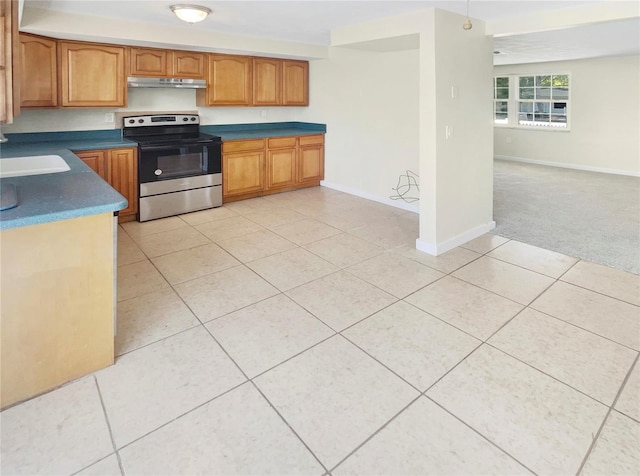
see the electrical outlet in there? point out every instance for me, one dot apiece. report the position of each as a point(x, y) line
point(448, 132)
point(263, 113)
point(108, 117)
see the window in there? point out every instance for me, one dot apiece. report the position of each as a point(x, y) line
point(501, 100)
point(531, 101)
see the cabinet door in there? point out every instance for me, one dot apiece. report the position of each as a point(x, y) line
point(38, 79)
point(187, 64)
point(9, 61)
point(229, 81)
point(96, 160)
point(267, 82)
point(311, 160)
point(148, 62)
point(242, 167)
point(282, 155)
point(92, 75)
point(122, 171)
point(295, 83)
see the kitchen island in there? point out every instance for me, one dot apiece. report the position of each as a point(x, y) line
point(57, 276)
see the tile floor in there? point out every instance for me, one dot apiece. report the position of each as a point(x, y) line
point(302, 333)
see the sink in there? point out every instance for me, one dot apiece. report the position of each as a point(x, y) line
point(33, 165)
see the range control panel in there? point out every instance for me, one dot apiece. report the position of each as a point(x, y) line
point(161, 120)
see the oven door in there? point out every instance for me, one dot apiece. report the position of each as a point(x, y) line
point(165, 162)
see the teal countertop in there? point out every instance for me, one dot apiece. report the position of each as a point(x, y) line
point(59, 196)
point(80, 191)
point(267, 129)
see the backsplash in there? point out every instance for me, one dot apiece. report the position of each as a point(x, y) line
point(147, 100)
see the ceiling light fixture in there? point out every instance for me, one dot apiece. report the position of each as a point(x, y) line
point(467, 25)
point(190, 13)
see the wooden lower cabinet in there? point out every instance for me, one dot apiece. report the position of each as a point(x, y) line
point(96, 160)
point(256, 167)
point(119, 168)
point(242, 169)
point(311, 162)
point(282, 157)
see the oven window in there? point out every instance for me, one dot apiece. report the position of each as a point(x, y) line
point(173, 166)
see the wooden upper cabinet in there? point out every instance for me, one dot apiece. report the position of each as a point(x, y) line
point(188, 64)
point(9, 61)
point(38, 78)
point(156, 63)
point(229, 82)
point(92, 75)
point(267, 82)
point(149, 62)
point(295, 89)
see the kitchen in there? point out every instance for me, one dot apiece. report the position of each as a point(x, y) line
point(356, 160)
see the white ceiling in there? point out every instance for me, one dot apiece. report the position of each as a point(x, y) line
point(311, 21)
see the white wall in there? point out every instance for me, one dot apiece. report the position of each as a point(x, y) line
point(144, 100)
point(369, 101)
point(605, 118)
point(457, 200)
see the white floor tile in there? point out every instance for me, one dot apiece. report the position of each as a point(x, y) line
point(581, 359)
point(605, 316)
point(415, 345)
point(616, 451)
point(153, 385)
point(395, 274)
point(334, 396)
point(106, 467)
point(629, 400)
point(235, 434)
point(264, 334)
point(542, 423)
point(340, 299)
point(225, 291)
point(146, 319)
point(465, 306)
point(507, 280)
point(60, 432)
point(425, 439)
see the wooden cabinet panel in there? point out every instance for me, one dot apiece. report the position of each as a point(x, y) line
point(157, 63)
point(122, 172)
point(295, 89)
point(229, 82)
point(9, 61)
point(92, 75)
point(238, 145)
point(282, 157)
point(311, 160)
point(267, 82)
point(150, 62)
point(38, 78)
point(188, 64)
point(243, 172)
point(96, 160)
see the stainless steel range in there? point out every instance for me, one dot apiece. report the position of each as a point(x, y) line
point(179, 169)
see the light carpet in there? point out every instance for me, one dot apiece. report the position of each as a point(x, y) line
point(588, 215)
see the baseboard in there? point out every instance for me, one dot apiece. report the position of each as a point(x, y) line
point(563, 165)
point(410, 207)
point(454, 242)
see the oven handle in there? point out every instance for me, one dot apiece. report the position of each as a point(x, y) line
point(169, 146)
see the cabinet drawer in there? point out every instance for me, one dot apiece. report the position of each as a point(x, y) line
point(312, 140)
point(282, 142)
point(239, 145)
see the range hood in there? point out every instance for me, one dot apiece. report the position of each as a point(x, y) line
point(182, 83)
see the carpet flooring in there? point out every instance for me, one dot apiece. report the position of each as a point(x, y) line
point(588, 215)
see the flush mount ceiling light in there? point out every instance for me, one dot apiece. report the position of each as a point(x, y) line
point(467, 25)
point(190, 13)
